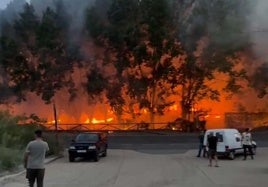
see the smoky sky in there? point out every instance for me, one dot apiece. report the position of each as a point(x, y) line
point(258, 28)
point(74, 8)
point(4, 3)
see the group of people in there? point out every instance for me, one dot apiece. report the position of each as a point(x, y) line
point(210, 149)
point(36, 150)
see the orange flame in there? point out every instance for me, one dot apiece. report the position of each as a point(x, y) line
point(96, 121)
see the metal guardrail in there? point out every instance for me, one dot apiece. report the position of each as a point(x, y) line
point(109, 126)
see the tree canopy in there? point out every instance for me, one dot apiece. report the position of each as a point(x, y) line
point(132, 52)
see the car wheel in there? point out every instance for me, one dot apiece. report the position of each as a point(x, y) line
point(71, 158)
point(97, 157)
point(105, 153)
point(232, 155)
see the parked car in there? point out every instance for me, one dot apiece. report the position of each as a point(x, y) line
point(88, 144)
point(229, 142)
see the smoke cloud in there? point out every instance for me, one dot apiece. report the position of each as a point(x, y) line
point(258, 28)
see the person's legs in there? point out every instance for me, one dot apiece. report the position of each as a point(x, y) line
point(40, 177)
point(204, 151)
point(31, 175)
point(199, 150)
point(245, 152)
point(216, 160)
point(210, 155)
point(250, 151)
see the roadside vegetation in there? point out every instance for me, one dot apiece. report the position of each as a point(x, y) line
point(14, 138)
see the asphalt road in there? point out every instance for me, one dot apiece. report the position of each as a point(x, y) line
point(131, 168)
point(153, 159)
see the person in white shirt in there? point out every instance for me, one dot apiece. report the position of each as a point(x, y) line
point(34, 158)
point(247, 143)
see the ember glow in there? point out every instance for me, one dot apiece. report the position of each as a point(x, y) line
point(96, 121)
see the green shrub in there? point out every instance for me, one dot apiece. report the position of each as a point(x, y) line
point(13, 135)
point(10, 158)
point(14, 138)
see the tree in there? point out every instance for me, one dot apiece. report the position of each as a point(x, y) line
point(16, 73)
point(107, 37)
point(138, 34)
point(26, 27)
point(259, 80)
point(211, 34)
point(39, 62)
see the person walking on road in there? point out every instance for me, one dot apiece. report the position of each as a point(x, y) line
point(247, 143)
point(34, 158)
point(212, 149)
point(201, 145)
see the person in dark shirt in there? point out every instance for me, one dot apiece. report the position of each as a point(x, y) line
point(212, 149)
point(201, 146)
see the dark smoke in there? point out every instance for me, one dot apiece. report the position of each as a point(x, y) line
point(258, 28)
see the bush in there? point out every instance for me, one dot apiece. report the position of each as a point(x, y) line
point(14, 138)
point(14, 135)
point(10, 158)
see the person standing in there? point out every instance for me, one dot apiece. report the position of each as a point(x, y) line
point(212, 149)
point(34, 158)
point(247, 143)
point(201, 145)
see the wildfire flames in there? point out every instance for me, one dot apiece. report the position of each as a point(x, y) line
point(97, 114)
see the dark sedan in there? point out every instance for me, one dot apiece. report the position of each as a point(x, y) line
point(89, 144)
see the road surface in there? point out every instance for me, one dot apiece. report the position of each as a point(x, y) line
point(153, 168)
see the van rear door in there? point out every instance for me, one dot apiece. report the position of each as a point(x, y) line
point(238, 142)
point(221, 143)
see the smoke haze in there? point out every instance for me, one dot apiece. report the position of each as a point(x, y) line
point(258, 27)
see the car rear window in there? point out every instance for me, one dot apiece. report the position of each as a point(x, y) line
point(86, 137)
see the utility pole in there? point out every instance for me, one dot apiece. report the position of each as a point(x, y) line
point(55, 116)
point(56, 128)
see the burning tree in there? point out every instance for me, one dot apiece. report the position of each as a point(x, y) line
point(259, 80)
point(34, 55)
point(211, 34)
point(146, 37)
point(140, 36)
point(146, 51)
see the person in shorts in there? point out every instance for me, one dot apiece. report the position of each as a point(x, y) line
point(247, 143)
point(34, 158)
point(212, 149)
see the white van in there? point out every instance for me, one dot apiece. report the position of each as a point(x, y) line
point(229, 142)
